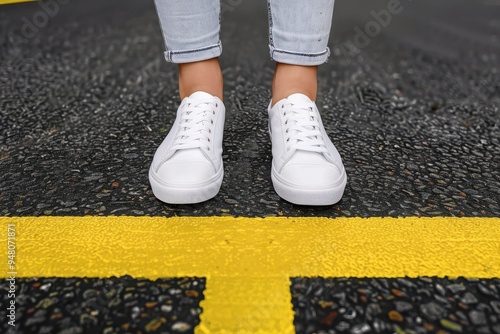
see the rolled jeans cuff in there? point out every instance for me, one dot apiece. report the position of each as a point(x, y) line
point(189, 56)
point(299, 58)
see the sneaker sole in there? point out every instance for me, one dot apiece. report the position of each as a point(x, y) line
point(308, 196)
point(191, 195)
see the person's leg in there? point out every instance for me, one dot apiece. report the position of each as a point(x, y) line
point(306, 168)
point(191, 30)
point(298, 39)
point(205, 75)
point(187, 167)
point(289, 79)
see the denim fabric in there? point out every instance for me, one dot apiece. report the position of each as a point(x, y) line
point(298, 30)
point(191, 29)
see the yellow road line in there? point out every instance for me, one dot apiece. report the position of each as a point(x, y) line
point(248, 261)
point(247, 305)
point(6, 2)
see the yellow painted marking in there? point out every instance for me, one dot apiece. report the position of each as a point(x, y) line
point(247, 305)
point(248, 261)
point(6, 2)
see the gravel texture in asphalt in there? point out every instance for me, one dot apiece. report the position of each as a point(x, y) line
point(423, 305)
point(113, 305)
point(413, 111)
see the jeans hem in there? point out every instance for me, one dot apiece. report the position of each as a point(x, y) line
point(299, 58)
point(189, 56)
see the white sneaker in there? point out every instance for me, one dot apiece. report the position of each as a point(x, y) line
point(187, 166)
point(307, 168)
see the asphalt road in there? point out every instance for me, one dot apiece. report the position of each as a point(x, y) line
point(413, 111)
point(85, 99)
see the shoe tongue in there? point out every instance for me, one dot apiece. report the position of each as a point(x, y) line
point(297, 97)
point(201, 96)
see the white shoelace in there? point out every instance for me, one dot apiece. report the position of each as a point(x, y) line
point(302, 127)
point(195, 126)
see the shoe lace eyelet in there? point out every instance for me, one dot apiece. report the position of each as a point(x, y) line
point(288, 139)
point(209, 140)
point(208, 148)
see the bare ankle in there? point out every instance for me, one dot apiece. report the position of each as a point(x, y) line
point(290, 79)
point(204, 76)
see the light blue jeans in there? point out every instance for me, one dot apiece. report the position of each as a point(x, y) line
point(298, 30)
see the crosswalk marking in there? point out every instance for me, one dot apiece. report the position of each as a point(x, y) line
point(248, 261)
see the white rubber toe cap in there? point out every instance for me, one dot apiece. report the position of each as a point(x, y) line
point(310, 170)
point(185, 168)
